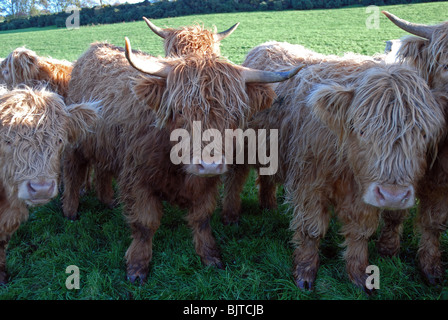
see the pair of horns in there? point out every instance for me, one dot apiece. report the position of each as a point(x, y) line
point(154, 67)
point(420, 30)
point(163, 33)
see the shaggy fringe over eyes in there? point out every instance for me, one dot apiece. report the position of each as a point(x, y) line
point(30, 121)
point(394, 107)
point(192, 39)
point(205, 88)
point(25, 67)
point(392, 112)
point(21, 64)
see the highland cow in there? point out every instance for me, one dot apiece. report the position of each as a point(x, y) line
point(428, 54)
point(354, 134)
point(191, 39)
point(144, 98)
point(24, 66)
point(177, 42)
point(35, 126)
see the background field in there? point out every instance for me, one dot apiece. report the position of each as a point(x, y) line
point(257, 252)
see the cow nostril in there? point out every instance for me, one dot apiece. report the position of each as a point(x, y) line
point(406, 196)
point(30, 188)
point(379, 194)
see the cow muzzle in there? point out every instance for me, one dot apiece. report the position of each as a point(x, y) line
point(37, 191)
point(390, 196)
point(207, 169)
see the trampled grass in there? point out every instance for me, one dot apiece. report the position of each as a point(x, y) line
point(257, 252)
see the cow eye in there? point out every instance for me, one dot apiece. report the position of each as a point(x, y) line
point(446, 67)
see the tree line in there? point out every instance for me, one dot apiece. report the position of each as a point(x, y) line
point(38, 13)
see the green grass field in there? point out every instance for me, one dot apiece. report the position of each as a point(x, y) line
point(257, 252)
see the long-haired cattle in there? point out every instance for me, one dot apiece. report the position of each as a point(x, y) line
point(144, 98)
point(428, 54)
point(190, 39)
point(177, 42)
point(35, 126)
point(354, 134)
point(24, 66)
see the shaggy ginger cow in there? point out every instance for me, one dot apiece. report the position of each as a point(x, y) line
point(144, 98)
point(177, 42)
point(428, 54)
point(24, 66)
point(35, 126)
point(191, 39)
point(353, 134)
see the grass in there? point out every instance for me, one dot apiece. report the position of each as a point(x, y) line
point(257, 252)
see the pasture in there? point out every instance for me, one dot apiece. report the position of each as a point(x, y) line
point(257, 252)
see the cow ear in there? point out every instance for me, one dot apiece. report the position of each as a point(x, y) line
point(82, 119)
point(329, 102)
point(149, 90)
point(261, 96)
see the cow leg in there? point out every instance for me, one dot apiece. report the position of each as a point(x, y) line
point(4, 239)
point(267, 192)
point(144, 213)
point(388, 244)
point(104, 187)
point(199, 221)
point(358, 226)
point(234, 182)
point(432, 222)
point(74, 168)
point(10, 220)
point(309, 228)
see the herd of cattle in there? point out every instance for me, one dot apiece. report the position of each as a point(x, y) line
point(364, 135)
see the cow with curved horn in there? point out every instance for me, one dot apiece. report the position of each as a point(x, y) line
point(177, 42)
point(191, 39)
point(354, 133)
point(428, 54)
point(144, 99)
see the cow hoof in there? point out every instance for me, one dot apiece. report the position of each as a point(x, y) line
point(304, 285)
point(3, 277)
point(433, 280)
point(213, 261)
point(369, 292)
point(137, 275)
point(72, 217)
point(137, 278)
point(228, 218)
point(230, 221)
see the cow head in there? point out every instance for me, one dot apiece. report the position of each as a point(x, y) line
point(203, 89)
point(387, 122)
point(20, 66)
point(428, 52)
point(193, 39)
point(35, 125)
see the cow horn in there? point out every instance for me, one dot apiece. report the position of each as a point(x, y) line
point(158, 31)
point(224, 34)
point(150, 67)
point(253, 75)
point(420, 30)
